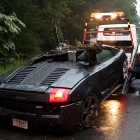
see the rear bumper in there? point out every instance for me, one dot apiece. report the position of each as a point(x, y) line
point(69, 116)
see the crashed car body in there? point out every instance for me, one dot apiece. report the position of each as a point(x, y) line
point(58, 90)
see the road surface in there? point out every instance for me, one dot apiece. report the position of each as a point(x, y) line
point(119, 120)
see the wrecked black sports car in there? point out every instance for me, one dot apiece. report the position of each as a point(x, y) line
point(60, 90)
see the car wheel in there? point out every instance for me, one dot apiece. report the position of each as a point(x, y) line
point(89, 111)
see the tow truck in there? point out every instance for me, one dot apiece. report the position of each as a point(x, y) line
point(122, 36)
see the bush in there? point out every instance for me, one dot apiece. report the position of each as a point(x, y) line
point(10, 66)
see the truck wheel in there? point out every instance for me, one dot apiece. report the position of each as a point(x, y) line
point(89, 111)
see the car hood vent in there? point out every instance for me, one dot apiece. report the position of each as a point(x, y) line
point(21, 75)
point(52, 77)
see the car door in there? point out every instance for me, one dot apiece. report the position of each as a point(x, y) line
point(106, 73)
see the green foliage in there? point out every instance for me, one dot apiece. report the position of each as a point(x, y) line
point(79, 45)
point(8, 23)
point(9, 26)
point(29, 43)
point(42, 19)
point(11, 65)
point(49, 22)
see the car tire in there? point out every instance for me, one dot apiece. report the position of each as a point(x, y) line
point(90, 111)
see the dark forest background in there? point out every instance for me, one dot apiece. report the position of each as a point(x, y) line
point(35, 26)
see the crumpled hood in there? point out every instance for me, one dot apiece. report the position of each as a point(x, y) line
point(40, 76)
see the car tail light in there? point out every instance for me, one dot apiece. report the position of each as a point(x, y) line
point(59, 95)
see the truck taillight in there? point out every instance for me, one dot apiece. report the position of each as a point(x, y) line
point(59, 95)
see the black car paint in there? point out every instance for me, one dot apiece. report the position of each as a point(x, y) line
point(28, 99)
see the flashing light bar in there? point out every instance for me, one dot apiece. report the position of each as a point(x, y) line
point(107, 16)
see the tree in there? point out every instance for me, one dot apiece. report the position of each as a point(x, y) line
point(9, 26)
point(49, 22)
point(29, 41)
point(52, 13)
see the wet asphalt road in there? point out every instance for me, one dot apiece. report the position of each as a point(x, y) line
point(119, 120)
